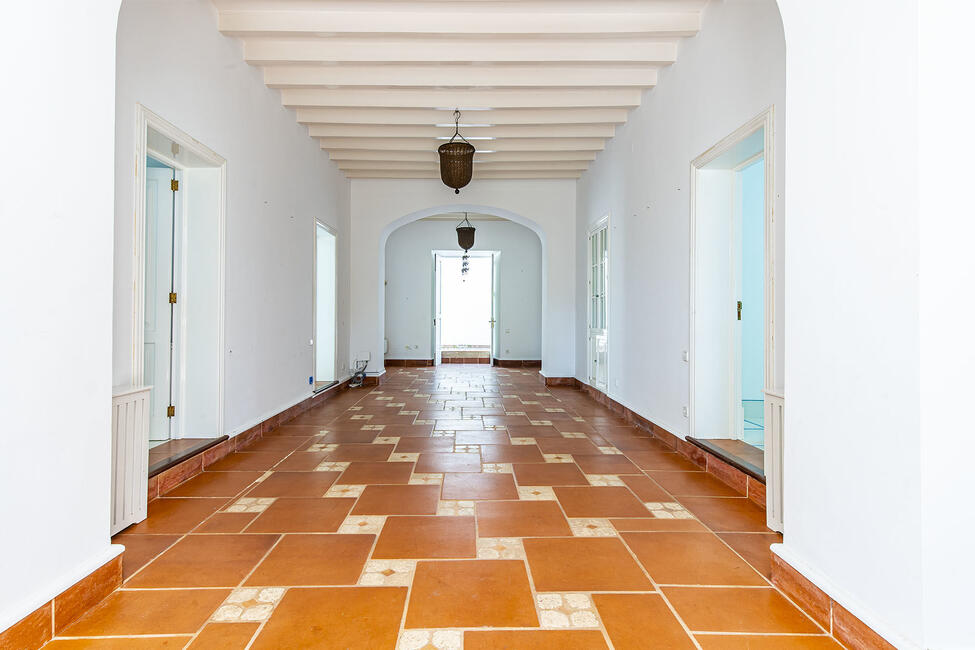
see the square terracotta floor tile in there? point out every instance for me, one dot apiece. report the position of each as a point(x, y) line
point(215, 484)
point(436, 462)
point(521, 519)
point(242, 461)
point(572, 446)
point(294, 484)
point(511, 454)
point(303, 515)
point(357, 435)
point(176, 515)
point(534, 431)
point(605, 464)
point(754, 547)
point(205, 561)
point(398, 500)
point(339, 618)
point(658, 524)
point(766, 642)
point(376, 474)
point(155, 611)
point(301, 461)
point(224, 636)
point(584, 564)
point(599, 502)
point(479, 486)
point(347, 452)
point(471, 593)
point(139, 549)
point(548, 474)
point(225, 522)
point(417, 445)
point(645, 489)
point(737, 515)
point(426, 537)
point(122, 643)
point(730, 609)
point(314, 560)
point(534, 640)
point(693, 484)
point(690, 559)
point(482, 438)
point(632, 619)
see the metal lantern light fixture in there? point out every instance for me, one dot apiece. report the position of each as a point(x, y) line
point(456, 159)
point(465, 239)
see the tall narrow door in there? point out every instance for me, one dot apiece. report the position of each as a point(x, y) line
point(161, 298)
point(598, 280)
point(437, 308)
point(495, 307)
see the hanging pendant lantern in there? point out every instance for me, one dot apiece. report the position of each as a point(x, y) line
point(456, 159)
point(465, 234)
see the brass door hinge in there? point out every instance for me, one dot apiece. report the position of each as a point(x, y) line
point(172, 298)
point(739, 310)
point(174, 185)
point(170, 411)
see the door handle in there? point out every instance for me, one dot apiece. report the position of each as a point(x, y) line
point(739, 310)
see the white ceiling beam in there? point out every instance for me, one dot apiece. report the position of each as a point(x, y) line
point(552, 165)
point(427, 117)
point(455, 49)
point(462, 19)
point(440, 76)
point(395, 173)
point(517, 131)
point(463, 99)
point(509, 144)
point(500, 156)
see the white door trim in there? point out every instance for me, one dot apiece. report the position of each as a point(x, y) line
point(144, 119)
point(766, 120)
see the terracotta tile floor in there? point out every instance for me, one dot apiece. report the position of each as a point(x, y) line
point(459, 507)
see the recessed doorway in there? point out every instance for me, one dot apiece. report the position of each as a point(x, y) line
point(325, 292)
point(464, 306)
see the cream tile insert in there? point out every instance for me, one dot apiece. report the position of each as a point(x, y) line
point(610, 450)
point(385, 440)
point(558, 458)
point(604, 480)
point(456, 508)
point(329, 466)
point(362, 525)
point(250, 504)
point(345, 490)
point(523, 441)
point(668, 510)
point(592, 528)
point(430, 640)
point(403, 458)
point(388, 573)
point(249, 604)
point(562, 611)
point(426, 479)
point(536, 493)
point(500, 548)
point(496, 468)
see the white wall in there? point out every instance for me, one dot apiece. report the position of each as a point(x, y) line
point(723, 77)
point(55, 334)
point(278, 183)
point(409, 270)
point(547, 207)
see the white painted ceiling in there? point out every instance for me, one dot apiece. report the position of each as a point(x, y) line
point(541, 84)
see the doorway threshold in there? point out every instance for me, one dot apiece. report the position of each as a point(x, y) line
point(740, 455)
point(172, 453)
point(323, 385)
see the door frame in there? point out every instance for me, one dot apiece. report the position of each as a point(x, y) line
point(602, 222)
point(766, 120)
point(436, 306)
point(314, 302)
point(144, 120)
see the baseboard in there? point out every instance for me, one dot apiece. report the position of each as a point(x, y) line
point(168, 480)
point(408, 363)
point(813, 594)
point(45, 622)
point(517, 363)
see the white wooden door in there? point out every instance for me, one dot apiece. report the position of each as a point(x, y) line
point(160, 323)
point(495, 306)
point(598, 291)
point(437, 309)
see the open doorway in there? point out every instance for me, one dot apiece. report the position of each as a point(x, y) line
point(325, 339)
point(464, 306)
point(732, 292)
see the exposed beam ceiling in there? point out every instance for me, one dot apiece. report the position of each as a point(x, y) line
point(541, 83)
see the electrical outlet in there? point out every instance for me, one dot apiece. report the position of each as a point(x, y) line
point(684, 411)
point(311, 380)
point(685, 355)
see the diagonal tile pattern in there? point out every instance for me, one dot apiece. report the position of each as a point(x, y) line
point(445, 549)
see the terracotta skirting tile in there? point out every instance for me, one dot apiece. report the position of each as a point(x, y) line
point(30, 632)
point(153, 490)
point(560, 381)
point(800, 589)
point(693, 453)
point(756, 492)
point(730, 476)
point(173, 476)
point(213, 454)
point(854, 633)
point(244, 438)
point(77, 599)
